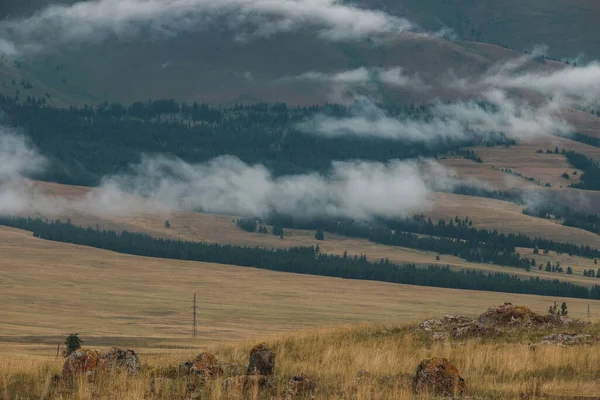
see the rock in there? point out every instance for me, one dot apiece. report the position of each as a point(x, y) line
point(508, 315)
point(474, 328)
point(439, 336)
point(262, 361)
point(185, 367)
point(301, 385)
point(127, 360)
point(430, 324)
point(92, 362)
point(205, 364)
point(439, 377)
point(566, 338)
point(83, 362)
point(456, 320)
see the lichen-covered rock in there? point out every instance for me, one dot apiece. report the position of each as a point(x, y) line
point(92, 362)
point(471, 329)
point(301, 385)
point(439, 377)
point(509, 315)
point(205, 364)
point(83, 362)
point(262, 361)
point(126, 360)
point(430, 324)
point(566, 338)
point(456, 320)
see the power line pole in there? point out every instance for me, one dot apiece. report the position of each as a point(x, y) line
point(589, 314)
point(194, 332)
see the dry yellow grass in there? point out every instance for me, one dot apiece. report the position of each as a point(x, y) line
point(500, 368)
point(48, 289)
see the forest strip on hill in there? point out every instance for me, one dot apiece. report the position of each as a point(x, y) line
point(455, 237)
point(85, 144)
point(302, 260)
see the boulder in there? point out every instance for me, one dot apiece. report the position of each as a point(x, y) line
point(126, 360)
point(205, 364)
point(509, 315)
point(262, 361)
point(430, 324)
point(301, 385)
point(439, 377)
point(83, 362)
point(91, 362)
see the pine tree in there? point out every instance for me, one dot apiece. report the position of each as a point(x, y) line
point(73, 343)
point(319, 235)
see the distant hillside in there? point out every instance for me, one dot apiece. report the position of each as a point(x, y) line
point(213, 67)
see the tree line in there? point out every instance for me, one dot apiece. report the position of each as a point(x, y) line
point(303, 260)
point(454, 237)
point(86, 143)
point(590, 178)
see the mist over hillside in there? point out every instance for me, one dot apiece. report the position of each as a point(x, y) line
point(243, 51)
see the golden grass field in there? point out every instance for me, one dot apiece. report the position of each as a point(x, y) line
point(48, 289)
point(485, 213)
point(500, 368)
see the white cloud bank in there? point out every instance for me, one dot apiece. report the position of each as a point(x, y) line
point(363, 76)
point(448, 121)
point(95, 21)
point(357, 189)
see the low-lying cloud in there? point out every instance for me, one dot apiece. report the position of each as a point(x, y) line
point(95, 21)
point(365, 77)
point(447, 121)
point(571, 86)
point(355, 189)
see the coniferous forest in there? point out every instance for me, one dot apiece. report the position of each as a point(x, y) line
point(86, 143)
point(302, 260)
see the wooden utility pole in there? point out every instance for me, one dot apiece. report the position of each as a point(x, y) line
point(194, 331)
point(589, 314)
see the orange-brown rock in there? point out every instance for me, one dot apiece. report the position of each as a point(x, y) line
point(437, 376)
point(83, 362)
point(509, 314)
point(92, 362)
point(262, 361)
point(205, 364)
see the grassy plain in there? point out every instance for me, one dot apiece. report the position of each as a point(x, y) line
point(485, 213)
point(501, 368)
point(49, 289)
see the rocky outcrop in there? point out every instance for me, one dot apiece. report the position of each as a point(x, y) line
point(437, 376)
point(566, 338)
point(126, 360)
point(91, 362)
point(262, 361)
point(510, 315)
point(471, 329)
